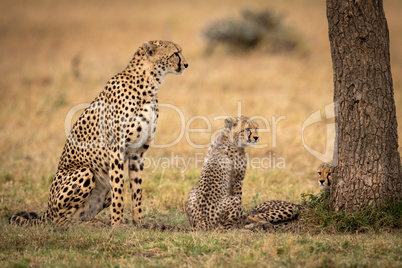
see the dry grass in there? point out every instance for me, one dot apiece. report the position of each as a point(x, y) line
point(41, 40)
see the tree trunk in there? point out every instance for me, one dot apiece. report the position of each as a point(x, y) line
point(366, 149)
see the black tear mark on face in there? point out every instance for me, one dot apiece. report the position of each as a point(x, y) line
point(179, 64)
point(248, 130)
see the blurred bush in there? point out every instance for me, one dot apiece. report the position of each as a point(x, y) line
point(255, 30)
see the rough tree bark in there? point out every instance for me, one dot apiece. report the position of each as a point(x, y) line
point(366, 149)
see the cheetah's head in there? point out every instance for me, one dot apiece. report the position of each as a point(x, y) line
point(242, 131)
point(166, 57)
point(324, 176)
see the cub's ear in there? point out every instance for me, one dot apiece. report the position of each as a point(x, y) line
point(229, 123)
point(149, 48)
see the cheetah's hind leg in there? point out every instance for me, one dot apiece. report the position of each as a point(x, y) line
point(77, 196)
point(269, 220)
point(231, 212)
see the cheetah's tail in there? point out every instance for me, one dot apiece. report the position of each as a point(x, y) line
point(25, 218)
point(162, 227)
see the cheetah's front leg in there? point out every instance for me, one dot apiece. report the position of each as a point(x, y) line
point(116, 173)
point(239, 174)
point(136, 165)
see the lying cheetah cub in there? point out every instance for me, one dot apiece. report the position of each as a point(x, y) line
point(272, 214)
point(216, 202)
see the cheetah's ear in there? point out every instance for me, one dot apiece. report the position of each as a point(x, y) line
point(149, 48)
point(229, 123)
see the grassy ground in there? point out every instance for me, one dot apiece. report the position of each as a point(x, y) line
point(129, 247)
point(55, 55)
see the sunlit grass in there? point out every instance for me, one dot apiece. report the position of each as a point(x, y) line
point(88, 247)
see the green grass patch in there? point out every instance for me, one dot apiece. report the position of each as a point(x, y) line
point(320, 216)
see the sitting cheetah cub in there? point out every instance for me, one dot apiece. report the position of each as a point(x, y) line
point(216, 202)
point(116, 128)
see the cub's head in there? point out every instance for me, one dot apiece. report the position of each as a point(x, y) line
point(324, 173)
point(242, 131)
point(165, 56)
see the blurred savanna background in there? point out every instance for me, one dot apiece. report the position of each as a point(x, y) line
point(55, 55)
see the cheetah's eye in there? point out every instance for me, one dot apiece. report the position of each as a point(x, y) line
point(248, 130)
point(319, 173)
point(329, 174)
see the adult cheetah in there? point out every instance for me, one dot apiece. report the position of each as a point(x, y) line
point(216, 202)
point(117, 126)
